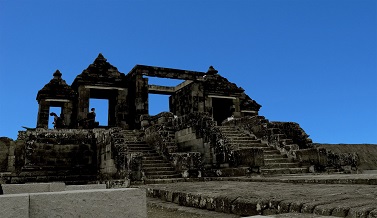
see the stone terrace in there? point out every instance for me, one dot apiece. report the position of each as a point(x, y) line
point(356, 197)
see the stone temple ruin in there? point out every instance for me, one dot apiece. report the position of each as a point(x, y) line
point(212, 129)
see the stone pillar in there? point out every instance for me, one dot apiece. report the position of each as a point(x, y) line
point(67, 112)
point(141, 98)
point(121, 109)
point(237, 111)
point(11, 157)
point(197, 98)
point(83, 103)
point(43, 114)
point(208, 105)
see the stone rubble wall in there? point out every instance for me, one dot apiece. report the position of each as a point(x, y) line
point(73, 149)
point(284, 136)
point(289, 138)
point(218, 151)
point(323, 159)
point(115, 162)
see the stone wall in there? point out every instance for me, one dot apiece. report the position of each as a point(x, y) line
point(188, 99)
point(7, 156)
point(367, 153)
point(115, 161)
point(208, 138)
point(323, 159)
point(71, 149)
point(105, 154)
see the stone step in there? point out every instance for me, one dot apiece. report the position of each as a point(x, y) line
point(281, 165)
point(149, 169)
point(163, 176)
point(237, 137)
point(284, 170)
point(259, 145)
point(161, 172)
point(271, 152)
point(276, 160)
point(231, 132)
point(142, 148)
point(150, 151)
point(235, 134)
point(155, 164)
point(263, 148)
point(136, 142)
point(138, 145)
point(153, 157)
point(247, 141)
point(274, 156)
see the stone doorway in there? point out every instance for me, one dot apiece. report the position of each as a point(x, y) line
point(58, 111)
point(222, 108)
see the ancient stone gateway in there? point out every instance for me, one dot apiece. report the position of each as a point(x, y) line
point(212, 129)
point(128, 94)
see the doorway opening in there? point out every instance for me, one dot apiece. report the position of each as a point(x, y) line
point(222, 108)
point(158, 103)
point(57, 111)
point(101, 109)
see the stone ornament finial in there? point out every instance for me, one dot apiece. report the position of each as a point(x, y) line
point(212, 70)
point(57, 74)
point(100, 57)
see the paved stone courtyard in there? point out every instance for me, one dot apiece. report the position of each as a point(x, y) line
point(270, 197)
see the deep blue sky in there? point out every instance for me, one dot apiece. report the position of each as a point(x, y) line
point(311, 62)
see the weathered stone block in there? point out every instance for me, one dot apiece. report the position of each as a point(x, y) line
point(186, 162)
point(25, 188)
point(90, 203)
point(16, 205)
point(85, 187)
point(245, 207)
point(249, 157)
point(57, 186)
point(307, 156)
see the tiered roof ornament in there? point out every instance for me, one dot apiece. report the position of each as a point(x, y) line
point(100, 72)
point(57, 88)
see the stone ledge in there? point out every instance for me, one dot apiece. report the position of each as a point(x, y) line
point(32, 188)
point(256, 205)
point(85, 187)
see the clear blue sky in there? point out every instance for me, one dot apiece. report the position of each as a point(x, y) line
point(311, 62)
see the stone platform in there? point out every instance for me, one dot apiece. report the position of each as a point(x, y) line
point(351, 195)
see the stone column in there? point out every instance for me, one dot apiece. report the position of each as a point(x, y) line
point(43, 114)
point(237, 111)
point(67, 112)
point(198, 97)
point(208, 105)
point(121, 109)
point(83, 103)
point(141, 98)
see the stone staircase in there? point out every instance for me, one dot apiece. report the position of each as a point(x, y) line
point(154, 165)
point(275, 162)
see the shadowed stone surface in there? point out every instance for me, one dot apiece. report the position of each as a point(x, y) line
point(253, 198)
point(16, 205)
point(89, 203)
